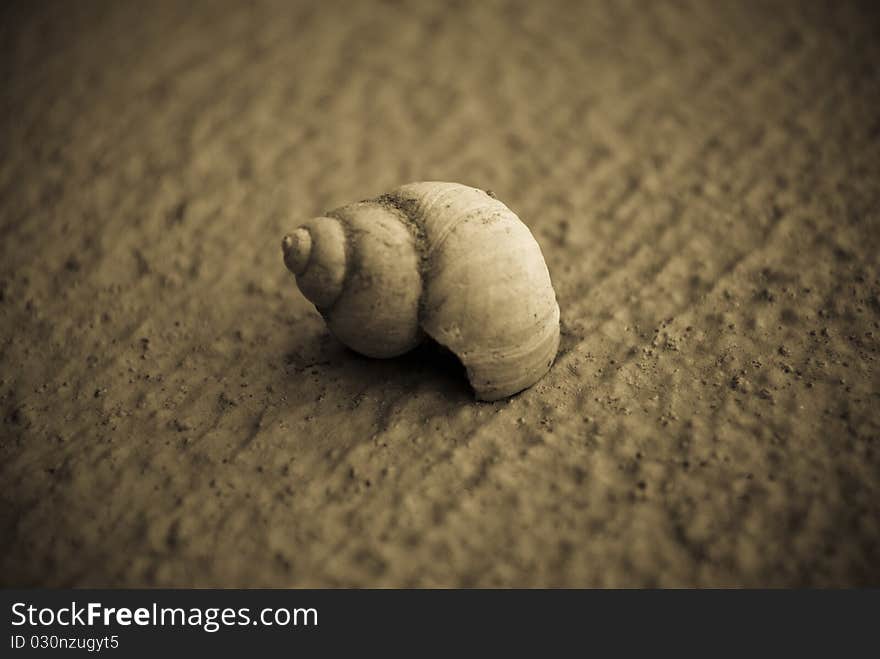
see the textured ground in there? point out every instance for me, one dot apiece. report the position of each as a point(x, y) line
point(703, 177)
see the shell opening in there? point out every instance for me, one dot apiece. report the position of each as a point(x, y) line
point(297, 248)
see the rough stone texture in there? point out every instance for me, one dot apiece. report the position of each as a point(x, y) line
point(703, 178)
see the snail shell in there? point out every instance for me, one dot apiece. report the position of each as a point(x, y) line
point(438, 259)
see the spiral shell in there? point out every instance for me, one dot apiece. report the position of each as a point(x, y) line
point(438, 259)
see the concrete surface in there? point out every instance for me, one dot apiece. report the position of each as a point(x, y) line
point(703, 178)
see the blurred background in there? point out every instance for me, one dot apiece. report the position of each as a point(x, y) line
point(703, 178)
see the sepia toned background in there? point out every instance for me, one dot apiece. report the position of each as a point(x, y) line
point(703, 178)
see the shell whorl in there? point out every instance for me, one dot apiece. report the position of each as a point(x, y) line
point(297, 247)
point(316, 254)
point(441, 259)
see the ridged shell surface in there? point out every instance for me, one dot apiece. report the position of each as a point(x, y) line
point(487, 291)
